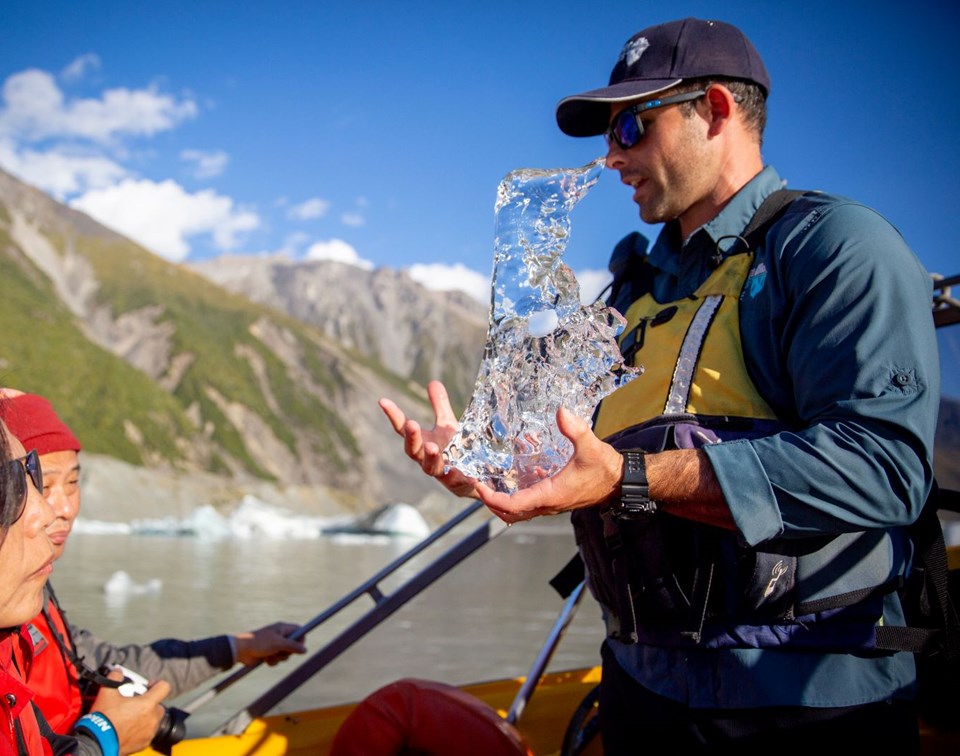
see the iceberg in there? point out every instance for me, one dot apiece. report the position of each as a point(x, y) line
point(544, 349)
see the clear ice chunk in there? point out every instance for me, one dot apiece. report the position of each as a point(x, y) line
point(544, 348)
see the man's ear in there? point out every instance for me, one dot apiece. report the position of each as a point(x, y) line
point(720, 103)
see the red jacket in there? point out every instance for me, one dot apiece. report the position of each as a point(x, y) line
point(52, 677)
point(23, 730)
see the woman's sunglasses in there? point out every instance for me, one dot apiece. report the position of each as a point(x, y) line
point(627, 128)
point(17, 472)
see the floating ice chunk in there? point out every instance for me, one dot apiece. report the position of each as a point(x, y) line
point(121, 584)
point(544, 348)
point(401, 519)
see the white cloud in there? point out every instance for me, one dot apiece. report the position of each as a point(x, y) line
point(163, 216)
point(312, 208)
point(357, 217)
point(458, 277)
point(34, 108)
point(338, 250)
point(442, 277)
point(592, 282)
point(60, 172)
point(293, 243)
point(206, 164)
point(78, 68)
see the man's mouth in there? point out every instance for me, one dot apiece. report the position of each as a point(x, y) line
point(59, 537)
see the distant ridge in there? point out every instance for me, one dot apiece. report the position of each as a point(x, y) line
point(156, 366)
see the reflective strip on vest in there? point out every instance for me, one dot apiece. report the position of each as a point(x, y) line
point(692, 359)
point(679, 395)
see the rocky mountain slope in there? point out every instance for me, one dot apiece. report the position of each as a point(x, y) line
point(380, 314)
point(157, 367)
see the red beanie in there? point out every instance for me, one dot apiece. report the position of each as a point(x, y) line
point(32, 420)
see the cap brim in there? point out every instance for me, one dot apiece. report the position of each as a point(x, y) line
point(588, 113)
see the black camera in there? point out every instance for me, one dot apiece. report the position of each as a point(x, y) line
point(172, 730)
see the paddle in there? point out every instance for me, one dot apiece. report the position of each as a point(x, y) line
point(370, 587)
point(539, 665)
point(385, 606)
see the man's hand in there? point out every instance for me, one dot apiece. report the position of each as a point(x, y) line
point(592, 476)
point(426, 447)
point(269, 644)
point(135, 719)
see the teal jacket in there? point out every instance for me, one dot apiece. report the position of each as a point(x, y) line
point(838, 339)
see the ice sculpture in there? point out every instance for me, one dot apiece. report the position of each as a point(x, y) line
point(508, 436)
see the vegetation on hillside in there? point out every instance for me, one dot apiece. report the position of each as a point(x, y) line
point(44, 351)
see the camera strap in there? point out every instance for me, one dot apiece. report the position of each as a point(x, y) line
point(86, 676)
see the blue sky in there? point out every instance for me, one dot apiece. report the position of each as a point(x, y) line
point(378, 132)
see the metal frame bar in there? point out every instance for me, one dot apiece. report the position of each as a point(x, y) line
point(385, 604)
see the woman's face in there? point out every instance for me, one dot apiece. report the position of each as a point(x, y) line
point(26, 553)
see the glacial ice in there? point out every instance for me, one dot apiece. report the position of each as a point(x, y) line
point(544, 348)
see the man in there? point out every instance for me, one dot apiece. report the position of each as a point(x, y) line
point(739, 507)
point(65, 673)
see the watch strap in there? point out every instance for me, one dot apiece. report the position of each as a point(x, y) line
point(635, 501)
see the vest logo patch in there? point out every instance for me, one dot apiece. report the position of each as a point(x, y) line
point(38, 639)
point(756, 280)
point(778, 571)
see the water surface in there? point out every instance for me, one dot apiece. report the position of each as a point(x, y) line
point(486, 618)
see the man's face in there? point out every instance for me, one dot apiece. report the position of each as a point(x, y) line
point(670, 168)
point(26, 554)
point(61, 489)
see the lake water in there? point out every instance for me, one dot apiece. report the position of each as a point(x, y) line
point(485, 618)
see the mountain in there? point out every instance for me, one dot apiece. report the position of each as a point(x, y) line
point(158, 367)
point(381, 314)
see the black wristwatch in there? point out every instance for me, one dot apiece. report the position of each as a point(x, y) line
point(635, 502)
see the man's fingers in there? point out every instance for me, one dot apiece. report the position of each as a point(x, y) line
point(394, 415)
point(441, 404)
point(413, 440)
point(158, 690)
point(570, 424)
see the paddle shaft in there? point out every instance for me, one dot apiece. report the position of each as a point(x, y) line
point(539, 665)
point(370, 587)
point(386, 605)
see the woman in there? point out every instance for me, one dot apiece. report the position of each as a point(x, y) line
point(26, 561)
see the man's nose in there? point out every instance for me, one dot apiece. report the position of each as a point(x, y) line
point(59, 502)
point(615, 155)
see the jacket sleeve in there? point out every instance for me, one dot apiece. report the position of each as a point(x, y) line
point(86, 745)
point(183, 664)
point(64, 745)
point(856, 350)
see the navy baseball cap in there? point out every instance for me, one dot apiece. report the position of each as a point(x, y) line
point(661, 57)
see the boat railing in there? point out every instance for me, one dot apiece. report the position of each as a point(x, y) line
point(385, 604)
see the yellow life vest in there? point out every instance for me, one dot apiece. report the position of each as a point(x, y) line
point(685, 372)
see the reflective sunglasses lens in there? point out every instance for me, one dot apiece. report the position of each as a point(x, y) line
point(31, 464)
point(627, 129)
point(16, 493)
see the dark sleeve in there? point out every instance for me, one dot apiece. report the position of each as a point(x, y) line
point(183, 664)
point(64, 745)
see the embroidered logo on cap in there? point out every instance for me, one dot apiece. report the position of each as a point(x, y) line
point(633, 50)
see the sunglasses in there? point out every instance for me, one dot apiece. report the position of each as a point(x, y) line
point(627, 128)
point(17, 472)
